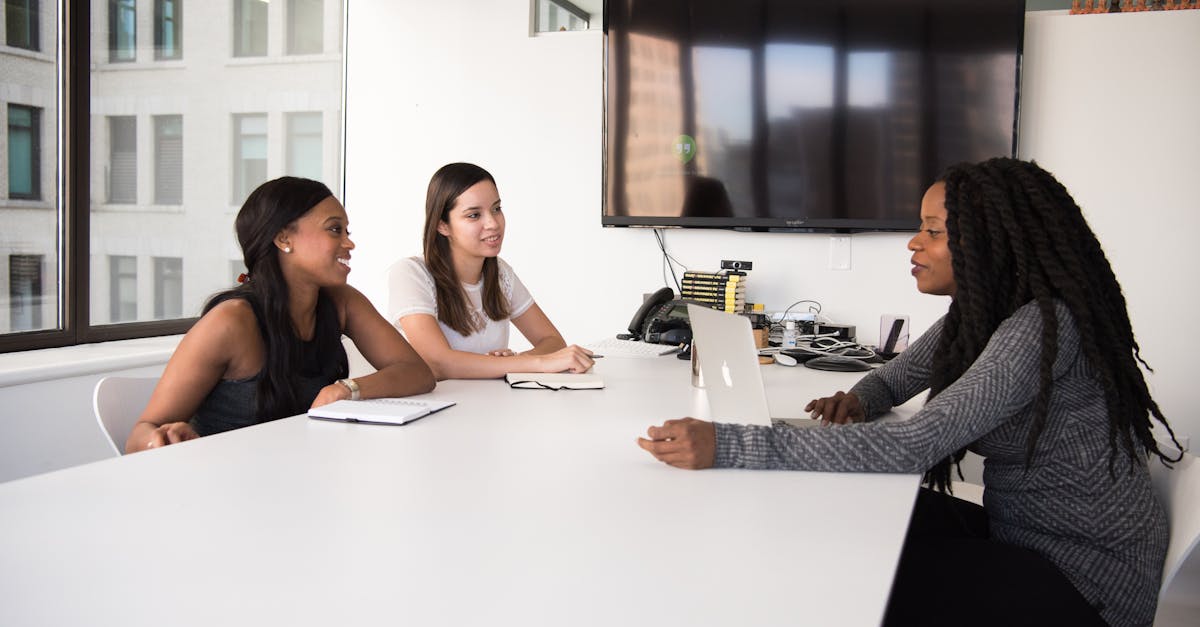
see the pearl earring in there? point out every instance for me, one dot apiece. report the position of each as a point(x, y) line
point(287, 249)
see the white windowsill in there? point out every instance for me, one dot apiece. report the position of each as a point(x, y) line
point(83, 359)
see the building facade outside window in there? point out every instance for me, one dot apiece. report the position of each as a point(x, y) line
point(25, 292)
point(168, 288)
point(122, 286)
point(304, 145)
point(249, 28)
point(168, 29)
point(168, 159)
point(122, 159)
point(24, 152)
point(122, 31)
point(22, 24)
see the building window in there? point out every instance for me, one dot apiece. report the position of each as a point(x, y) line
point(24, 152)
point(304, 145)
point(122, 159)
point(122, 288)
point(249, 28)
point(304, 26)
point(25, 292)
point(168, 29)
point(168, 159)
point(21, 24)
point(122, 31)
point(250, 154)
point(168, 288)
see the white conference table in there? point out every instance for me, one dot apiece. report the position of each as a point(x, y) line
point(528, 507)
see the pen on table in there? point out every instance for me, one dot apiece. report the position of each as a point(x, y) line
point(595, 356)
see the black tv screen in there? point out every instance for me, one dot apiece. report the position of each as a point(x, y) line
point(800, 115)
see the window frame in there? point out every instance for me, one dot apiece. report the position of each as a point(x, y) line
point(35, 150)
point(33, 10)
point(159, 123)
point(160, 19)
point(239, 31)
point(72, 131)
point(114, 18)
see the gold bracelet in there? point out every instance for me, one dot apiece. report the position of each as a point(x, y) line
point(351, 385)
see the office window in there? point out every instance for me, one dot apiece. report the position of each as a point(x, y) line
point(122, 288)
point(168, 159)
point(249, 28)
point(250, 154)
point(24, 152)
point(122, 31)
point(122, 159)
point(24, 292)
point(21, 24)
point(304, 145)
point(168, 29)
point(304, 26)
point(168, 288)
point(128, 144)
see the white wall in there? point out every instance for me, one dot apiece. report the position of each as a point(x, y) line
point(431, 83)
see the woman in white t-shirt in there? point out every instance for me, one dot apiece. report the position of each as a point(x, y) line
point(454, 305)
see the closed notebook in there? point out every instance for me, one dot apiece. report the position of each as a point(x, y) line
point(554, 381)
point(386, 411)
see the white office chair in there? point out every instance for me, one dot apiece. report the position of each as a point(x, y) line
point(1178, 491)
point(118, 402)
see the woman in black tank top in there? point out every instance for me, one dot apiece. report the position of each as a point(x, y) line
point(271, 347)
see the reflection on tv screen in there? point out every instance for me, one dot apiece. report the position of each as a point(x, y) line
point(789, 114)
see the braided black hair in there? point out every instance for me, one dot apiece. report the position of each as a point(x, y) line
point(1017, 236)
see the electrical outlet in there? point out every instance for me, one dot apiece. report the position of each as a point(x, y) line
point(839, 252)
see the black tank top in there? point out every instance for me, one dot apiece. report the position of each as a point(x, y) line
point(233, 403)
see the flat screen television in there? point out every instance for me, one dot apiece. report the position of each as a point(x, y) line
point(800, 115)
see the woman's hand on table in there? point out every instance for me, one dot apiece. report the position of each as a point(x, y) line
point(840, 409)
point(683, 443)
point(170, 433)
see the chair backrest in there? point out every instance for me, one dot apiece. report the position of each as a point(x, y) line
point(1178, 490)
point(118, 402)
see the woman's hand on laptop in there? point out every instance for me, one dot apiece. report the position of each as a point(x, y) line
point(683, 443)
point(839, 409)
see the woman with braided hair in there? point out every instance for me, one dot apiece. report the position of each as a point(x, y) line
point(1035, 368)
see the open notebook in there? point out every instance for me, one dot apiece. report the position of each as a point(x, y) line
point(384, 411)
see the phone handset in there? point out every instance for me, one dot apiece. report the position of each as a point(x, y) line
point(648, 307)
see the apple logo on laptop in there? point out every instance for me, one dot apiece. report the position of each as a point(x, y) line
point(725, 373)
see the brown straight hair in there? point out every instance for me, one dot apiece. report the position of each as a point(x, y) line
point(447, 184)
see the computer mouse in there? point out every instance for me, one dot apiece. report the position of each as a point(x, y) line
point(838, 363)
point(783, 359)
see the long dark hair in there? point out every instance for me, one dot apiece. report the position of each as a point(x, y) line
point(269, 209)
point(1017, 236)
point(447, 184)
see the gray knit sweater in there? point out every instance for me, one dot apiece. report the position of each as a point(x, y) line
point(1107, 533)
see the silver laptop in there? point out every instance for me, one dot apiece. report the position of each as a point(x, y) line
point(724, 345)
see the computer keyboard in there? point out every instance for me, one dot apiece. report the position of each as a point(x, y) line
point(612, 347)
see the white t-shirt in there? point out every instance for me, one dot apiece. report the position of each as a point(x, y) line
point(411, 291)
